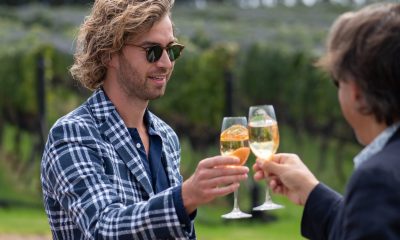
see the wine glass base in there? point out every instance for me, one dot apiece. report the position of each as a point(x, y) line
point(235, 214)
point(268, 206)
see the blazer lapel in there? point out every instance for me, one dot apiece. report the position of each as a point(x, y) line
point(114, 131)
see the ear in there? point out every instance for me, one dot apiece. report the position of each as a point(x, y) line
point(112, 61)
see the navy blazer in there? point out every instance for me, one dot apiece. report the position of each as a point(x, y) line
point(95, 185)
point(370, 207)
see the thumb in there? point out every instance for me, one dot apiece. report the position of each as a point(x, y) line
point(274, 168)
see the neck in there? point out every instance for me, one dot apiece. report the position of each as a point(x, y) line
point(130, 108)
point(369, 130)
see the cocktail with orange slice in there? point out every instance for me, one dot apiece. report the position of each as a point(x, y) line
point(234, 141)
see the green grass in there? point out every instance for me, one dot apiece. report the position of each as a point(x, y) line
point(209, 225)
point(23, 222)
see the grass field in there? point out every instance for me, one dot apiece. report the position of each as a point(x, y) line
point(209, 225)
point(23, 221)
point(286, 226)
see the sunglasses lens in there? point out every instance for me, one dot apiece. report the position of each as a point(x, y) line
point(174, 52)
point(154, 53)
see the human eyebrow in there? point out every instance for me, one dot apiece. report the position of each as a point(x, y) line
point(150, 43)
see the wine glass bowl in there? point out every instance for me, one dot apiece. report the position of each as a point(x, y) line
point(234, 142)
point(264, 142)
point(264, 138)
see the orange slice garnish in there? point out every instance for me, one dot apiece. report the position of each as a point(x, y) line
point(235, 133)
point(242, 153)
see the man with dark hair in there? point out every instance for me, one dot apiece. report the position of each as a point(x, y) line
point(363, 57)
point(110, 168)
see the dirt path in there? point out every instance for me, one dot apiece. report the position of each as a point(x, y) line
point(23, 237)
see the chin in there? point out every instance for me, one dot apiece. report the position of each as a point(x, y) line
point(154, 97)
point(361, 140)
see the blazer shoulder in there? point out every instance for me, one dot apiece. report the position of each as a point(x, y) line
point(73, 123)
point(383, 166)
point(387, 158)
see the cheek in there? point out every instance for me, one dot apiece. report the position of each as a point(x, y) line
point(347, 107)
point(340, 98)
point(136, 69)
point(170, 73)
point(344, 105)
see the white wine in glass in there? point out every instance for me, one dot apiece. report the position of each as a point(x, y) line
point(264, 141)
point(234, 142)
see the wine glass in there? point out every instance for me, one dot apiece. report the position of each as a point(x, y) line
point(234, 142)
point(264, 141)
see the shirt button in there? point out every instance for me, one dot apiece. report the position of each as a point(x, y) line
point(138, 145)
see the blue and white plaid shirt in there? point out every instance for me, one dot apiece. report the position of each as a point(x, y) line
point(95, 185)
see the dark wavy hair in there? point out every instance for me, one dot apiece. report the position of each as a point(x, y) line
point(364, 47)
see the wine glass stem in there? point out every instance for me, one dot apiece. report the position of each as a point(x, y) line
point(267, 195)
point(235, 201)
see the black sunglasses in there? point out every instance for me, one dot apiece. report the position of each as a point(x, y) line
point(154, 53)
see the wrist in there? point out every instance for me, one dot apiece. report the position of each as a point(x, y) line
point(189, 201)
point(310, 187)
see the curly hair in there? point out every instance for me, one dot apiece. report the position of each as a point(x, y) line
point(364, 47)
point(105, 31)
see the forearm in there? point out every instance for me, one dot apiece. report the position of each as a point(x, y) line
point(102, 217)
point(155, 217)
point(319, 212)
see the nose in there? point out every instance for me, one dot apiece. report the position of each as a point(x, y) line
point(164, 60)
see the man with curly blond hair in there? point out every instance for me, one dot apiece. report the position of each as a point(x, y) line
point(110, 168)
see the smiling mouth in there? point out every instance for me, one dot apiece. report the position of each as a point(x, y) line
point(158, 78)
point(158, 81)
